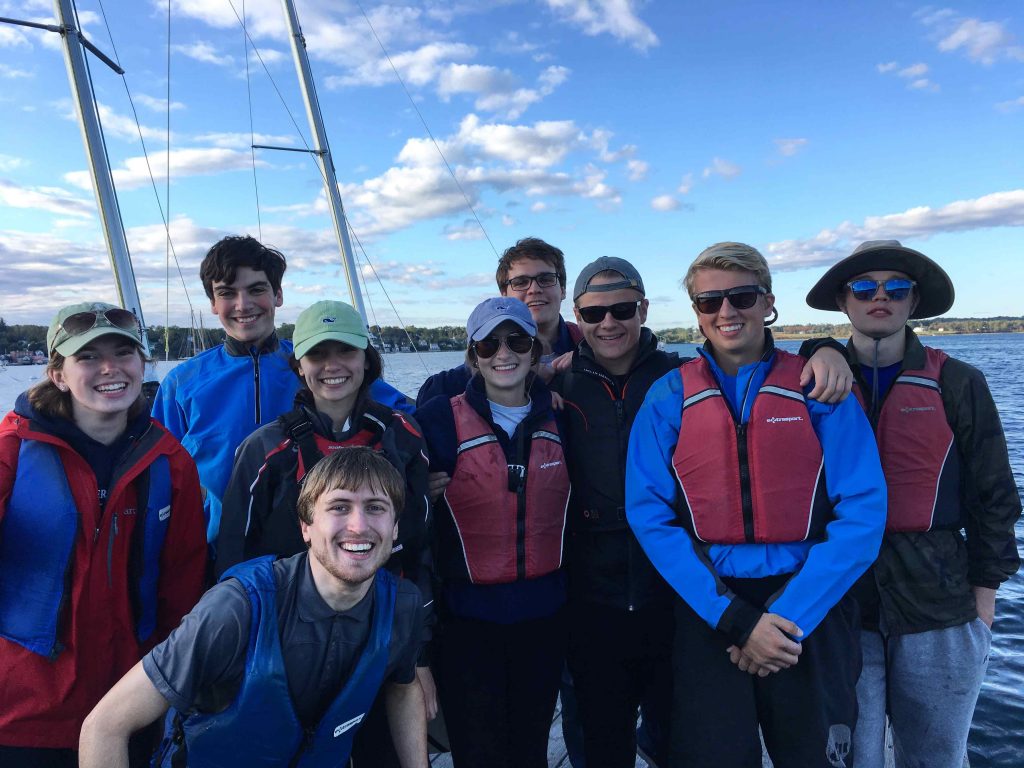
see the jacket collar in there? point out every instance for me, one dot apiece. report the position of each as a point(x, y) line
point(237, 348)
point(583, 360)
point(913, 352)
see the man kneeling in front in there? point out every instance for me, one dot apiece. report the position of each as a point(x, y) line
point(280, 661)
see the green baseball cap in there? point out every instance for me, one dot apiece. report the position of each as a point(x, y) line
point(79, 324)
point(328, 321)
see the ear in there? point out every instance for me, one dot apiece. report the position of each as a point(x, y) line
point(576, 313)
point(279, 297)
point(57, 377)
point(916, 300)
point(304, 527)
point(563, 293)
point(769, 303)
point(841, 302)
point(642, 310)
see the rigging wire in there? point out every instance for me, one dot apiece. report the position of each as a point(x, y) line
point(427, 128)
point(252, 132)
point(390, 302)
point(145, 151)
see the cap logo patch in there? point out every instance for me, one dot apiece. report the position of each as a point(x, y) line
point(328, 320)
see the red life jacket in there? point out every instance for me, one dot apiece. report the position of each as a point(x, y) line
point(763, 481)
point(510, 519)
point(919, 458)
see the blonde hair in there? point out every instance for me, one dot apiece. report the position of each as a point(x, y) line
point(730, 256)
point(350, 469)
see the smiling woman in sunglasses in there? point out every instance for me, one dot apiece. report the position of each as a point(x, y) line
point(499, 528)
point(102, 548)
point(760, 506)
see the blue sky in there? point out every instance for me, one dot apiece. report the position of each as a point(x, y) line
point(646, 130)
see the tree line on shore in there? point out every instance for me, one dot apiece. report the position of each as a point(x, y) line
point(184, 342)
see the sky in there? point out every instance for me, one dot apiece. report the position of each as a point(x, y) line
point(644, 129)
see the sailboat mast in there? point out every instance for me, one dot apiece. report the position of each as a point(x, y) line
point(99, 164)
point(323, 155)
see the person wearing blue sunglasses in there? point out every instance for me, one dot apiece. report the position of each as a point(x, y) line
point(928, 602)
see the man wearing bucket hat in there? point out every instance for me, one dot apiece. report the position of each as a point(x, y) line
point(928, 602)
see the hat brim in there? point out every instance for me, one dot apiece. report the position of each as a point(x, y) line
point(934, 288)
point(494, 322)
point(352, 339)
point(73, 344)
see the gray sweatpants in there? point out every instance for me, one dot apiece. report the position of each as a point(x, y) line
point(928, 683)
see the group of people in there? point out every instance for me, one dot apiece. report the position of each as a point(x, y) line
point(722, 545)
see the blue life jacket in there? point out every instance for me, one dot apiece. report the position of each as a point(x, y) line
point(37, 539)
point(260, 727)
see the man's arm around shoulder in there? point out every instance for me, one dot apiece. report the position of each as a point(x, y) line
point(129, 706)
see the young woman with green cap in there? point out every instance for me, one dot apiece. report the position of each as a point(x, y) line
point(102, 544)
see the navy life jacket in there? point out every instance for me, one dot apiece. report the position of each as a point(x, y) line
point(36, 548)
point(260, 728)
point(763, 481)
point(919, 456)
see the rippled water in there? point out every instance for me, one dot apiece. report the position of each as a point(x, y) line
point(997, 737)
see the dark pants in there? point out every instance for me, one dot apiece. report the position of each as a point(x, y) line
point(498, 684)
point(807, 712)
point(140, 749)
point(620, 659)
point(373, 746)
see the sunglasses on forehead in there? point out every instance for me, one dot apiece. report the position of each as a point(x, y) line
point(896, 288)
point(82, 322)
point(741, 297)
point(624, 310)
point(515, 342)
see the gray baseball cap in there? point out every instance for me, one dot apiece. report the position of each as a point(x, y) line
point(630, 277)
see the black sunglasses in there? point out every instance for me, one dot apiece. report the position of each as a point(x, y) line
point(896, 288)
point(741, 297)
point(515, 342)
point(624, 310)
point(522, 282)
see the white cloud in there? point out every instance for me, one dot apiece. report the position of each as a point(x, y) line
point(244, 140)
point(914, 74)
point(13, 73)
point(467, 230)
point(600, 140)
point(9, 163)
point(1011, 105)
point(665, 203)
point(538, 207)
point(637, 169)
point(723, 168)
point(914, 70)
point(12, 37)
point(984, 42)
point(508, 221)
point(498, 88)
point(204, 52)
point(50, 199)
point(686, 184)
point(614, 17)
point(999, 209)
point(184, 162)
point(155, 104)
point(418, 67)
point(789, 147)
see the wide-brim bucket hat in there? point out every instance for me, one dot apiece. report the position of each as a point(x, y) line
point(934, 288)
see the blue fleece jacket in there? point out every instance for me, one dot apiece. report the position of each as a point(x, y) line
point(822, 572)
